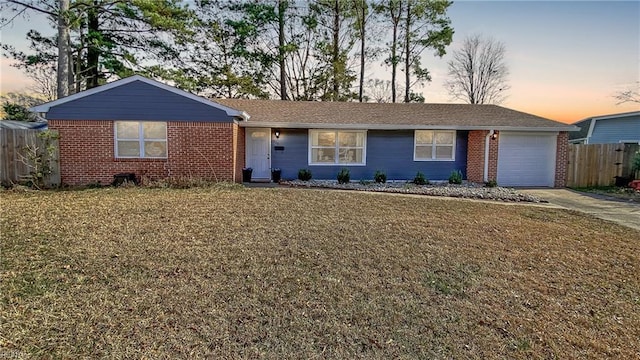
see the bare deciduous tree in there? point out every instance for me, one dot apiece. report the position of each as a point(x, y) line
point(630, 95)
point(44, 79)
point(379, 91)
point(478, 72)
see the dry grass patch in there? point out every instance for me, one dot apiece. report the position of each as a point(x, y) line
point(286, 273)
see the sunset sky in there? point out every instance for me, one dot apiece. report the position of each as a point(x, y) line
point(566, 58)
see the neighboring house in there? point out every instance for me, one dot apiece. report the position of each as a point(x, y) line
point(608, 129)
point(141, 126)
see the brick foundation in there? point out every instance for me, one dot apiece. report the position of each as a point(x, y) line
point(210, 151)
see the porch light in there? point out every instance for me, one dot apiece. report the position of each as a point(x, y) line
point(277, 133)
point(494, 135)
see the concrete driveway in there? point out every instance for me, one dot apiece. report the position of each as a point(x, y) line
point(619, 211)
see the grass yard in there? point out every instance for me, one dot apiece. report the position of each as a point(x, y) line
point(286, 273)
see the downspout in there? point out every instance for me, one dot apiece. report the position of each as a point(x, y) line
point(486, 155)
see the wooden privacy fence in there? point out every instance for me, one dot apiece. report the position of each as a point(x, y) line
point(14, 159)
point(599, 164)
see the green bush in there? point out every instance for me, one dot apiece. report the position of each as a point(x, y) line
point(380, 177)
point(17, 112)
point(420, 179)
point(344, 176)
point(304, 174)
point(491, 183)
point(635, 166)
point(455, 177)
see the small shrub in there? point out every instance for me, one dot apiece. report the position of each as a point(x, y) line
point(380, 177)
point(304, 174)
point(455, 177)
point(344, 176)
point(365, 182)
point(420, 179)
point(39, 159)
point(186, 182)
point(491, 183)
point(94, 185)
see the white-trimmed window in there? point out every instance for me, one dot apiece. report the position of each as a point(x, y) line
point(140, 139)
point(337, 147)
point(434, 145)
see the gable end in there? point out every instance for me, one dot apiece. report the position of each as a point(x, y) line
point(137, 100)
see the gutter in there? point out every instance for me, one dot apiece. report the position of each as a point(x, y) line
point(243, 115)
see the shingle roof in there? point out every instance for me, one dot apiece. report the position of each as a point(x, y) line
point(585, 124)
point(584, 129)
point(304, 114)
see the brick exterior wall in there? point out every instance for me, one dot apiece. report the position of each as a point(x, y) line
point(493, 157)
point(201, 150)
point(562, 159)
point(475, 155)
point(239, 145)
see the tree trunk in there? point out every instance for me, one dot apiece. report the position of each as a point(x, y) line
point(77, 79)
point(63, 50)
point(394, 50)
point(362, 29)
point(407, 55)
point(93, 52)
point(282, 6)
point(336, 49)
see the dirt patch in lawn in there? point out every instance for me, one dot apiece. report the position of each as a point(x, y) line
point(286, 273)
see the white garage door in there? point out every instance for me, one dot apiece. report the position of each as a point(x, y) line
point(526, 159)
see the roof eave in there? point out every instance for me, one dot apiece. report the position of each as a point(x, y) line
point(615, 116)
point(403, 127)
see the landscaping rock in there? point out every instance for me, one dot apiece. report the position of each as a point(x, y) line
point(465, 190)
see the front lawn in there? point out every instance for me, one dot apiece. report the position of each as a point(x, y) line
point(289, 273)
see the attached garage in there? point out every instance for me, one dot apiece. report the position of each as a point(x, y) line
point(527, 158)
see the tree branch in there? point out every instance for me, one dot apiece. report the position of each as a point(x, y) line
point(32, 7)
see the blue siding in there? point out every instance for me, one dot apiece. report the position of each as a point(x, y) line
point(388, 151)
point(137, 101)
point(613, 130)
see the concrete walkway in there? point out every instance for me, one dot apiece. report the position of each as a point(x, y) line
point(619, 211)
